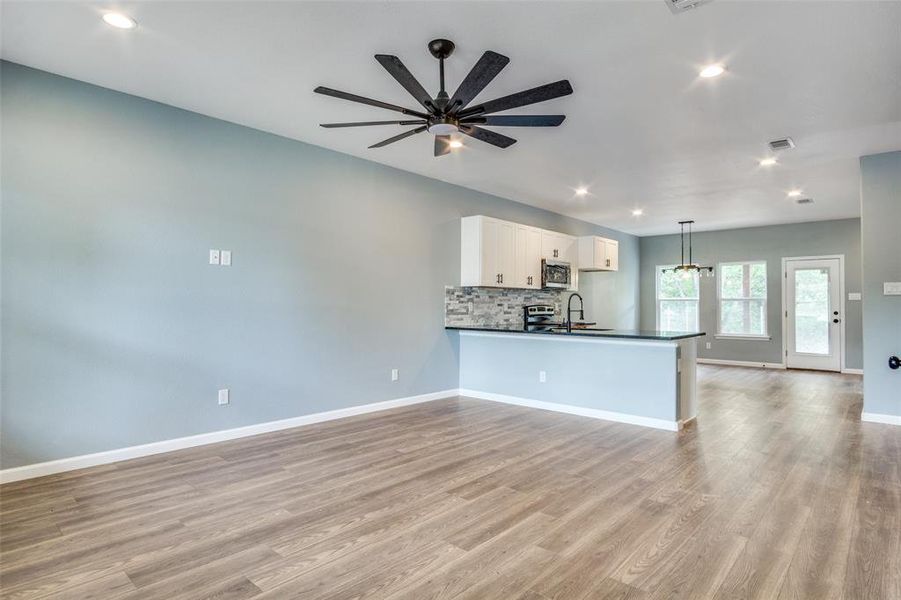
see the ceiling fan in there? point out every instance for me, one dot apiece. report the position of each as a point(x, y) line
point(445, 115)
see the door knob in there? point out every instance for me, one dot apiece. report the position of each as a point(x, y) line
point(894, 362)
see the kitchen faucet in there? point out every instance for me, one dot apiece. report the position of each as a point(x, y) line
point(569, 311)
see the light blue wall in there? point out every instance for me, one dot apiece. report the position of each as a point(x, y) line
point(880, 194)
point(771, 244)
point(116, 331)
point(609, 375)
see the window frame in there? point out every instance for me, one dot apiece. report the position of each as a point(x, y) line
point(657, 273)
point(719, 302)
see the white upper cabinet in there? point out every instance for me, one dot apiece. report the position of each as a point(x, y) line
point(528, 257)
point(488, 252)
point(598, 254)
point(496, 253)
point(558, 246)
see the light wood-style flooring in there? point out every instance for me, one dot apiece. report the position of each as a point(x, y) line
point(778, 492)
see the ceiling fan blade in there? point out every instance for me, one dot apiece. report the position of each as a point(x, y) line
point(516, 120)
point(403, 76)
point(363, 100)
point(399, 137)
point(442, 145)
point(532, 96)
point(368, 123)
point(492, 137)
point(480, 76)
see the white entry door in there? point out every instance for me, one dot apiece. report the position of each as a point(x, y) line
point(813, 314)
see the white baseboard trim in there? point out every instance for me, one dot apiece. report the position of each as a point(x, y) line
point(110, 456)
point(878, 418)
point(740, 363)
point(574, 410)
point(853, 371)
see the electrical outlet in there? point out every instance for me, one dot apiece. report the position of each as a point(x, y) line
point(223, 397)
point(542, 376)
point(214, 257)
point(709, 345)
point(394, 375)
point(225, 258)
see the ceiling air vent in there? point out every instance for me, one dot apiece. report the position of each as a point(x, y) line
point(680, 6)
point(804, 200)
point(783, 144)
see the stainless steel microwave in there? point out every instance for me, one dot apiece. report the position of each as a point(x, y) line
point(555, 274)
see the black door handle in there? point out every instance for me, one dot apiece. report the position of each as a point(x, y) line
point(835, 320)
point(894, 362)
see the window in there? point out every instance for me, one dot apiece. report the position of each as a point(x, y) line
point(742, 299)
point(677, 300)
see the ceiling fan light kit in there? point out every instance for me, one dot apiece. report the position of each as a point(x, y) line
point(444, 115)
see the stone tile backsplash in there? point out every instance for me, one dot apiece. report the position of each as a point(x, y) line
point(482, 306)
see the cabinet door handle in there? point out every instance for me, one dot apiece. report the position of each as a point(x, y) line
point(502, 278)
point(497, 278)
point(608, 262)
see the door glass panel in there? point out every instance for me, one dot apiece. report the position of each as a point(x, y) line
point(812, 311)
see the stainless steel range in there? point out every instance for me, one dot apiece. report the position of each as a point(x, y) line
point(538, 317)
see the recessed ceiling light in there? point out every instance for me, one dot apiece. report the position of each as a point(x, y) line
point(794, 193)
point(767, 162)
point(581, 191)
point(712, 71)
point(119, 20)
point(456, 144)
point(637, 212)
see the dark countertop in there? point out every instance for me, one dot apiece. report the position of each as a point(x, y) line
point(635, 334)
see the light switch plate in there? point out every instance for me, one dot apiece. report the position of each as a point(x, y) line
point(223, 397)
point(225, 258)
point(891, 288)
point(542, 376)
point(214, 257)
point(853, 295)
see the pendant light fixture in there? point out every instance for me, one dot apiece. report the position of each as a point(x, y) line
point(689, 267)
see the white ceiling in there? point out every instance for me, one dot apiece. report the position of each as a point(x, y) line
point(642, 130)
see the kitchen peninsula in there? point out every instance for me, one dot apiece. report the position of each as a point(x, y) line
point(640, 377)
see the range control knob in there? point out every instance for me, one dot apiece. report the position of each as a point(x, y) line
point(894, 362)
